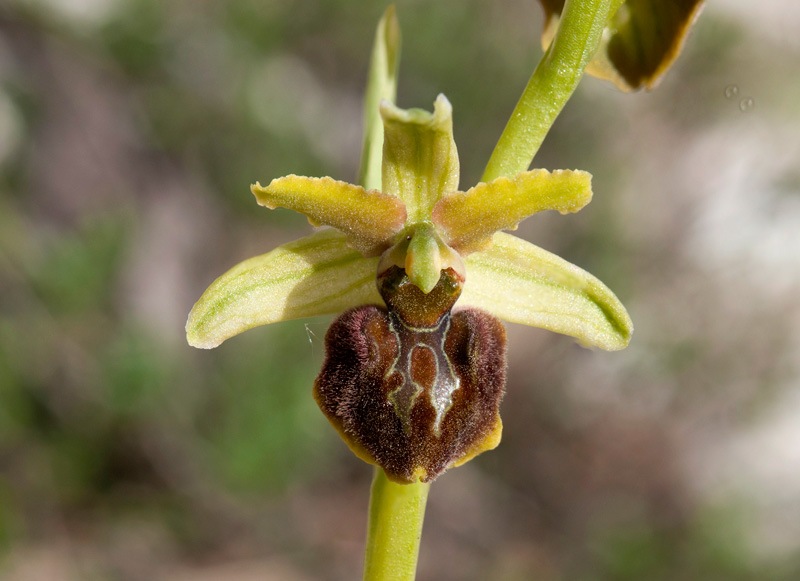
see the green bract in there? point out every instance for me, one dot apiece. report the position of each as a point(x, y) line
point(641, 39)
point(422, 224)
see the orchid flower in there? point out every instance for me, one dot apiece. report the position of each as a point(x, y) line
point(399, 262)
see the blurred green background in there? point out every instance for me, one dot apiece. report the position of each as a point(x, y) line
point(130, 131)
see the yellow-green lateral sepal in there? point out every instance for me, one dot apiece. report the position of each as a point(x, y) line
point(369, 218)
point(316, 275)
point(468, 219)
point(420, 160)
point(521, 283)
point(641, 40)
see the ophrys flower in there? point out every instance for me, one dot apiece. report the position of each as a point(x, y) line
point(410, 385)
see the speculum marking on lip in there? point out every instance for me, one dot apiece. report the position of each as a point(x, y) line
point(425, 368)
point(413, 388)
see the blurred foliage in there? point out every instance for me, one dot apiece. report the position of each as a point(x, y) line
point(130, 131)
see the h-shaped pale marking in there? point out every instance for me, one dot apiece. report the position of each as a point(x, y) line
point(445, 380)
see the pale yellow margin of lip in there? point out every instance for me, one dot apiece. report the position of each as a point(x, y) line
point(489, 442)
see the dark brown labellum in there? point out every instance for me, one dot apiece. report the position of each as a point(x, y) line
point(413, 388)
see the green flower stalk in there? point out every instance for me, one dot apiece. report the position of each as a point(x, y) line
point(631, 43)
point(640, 39)
point(415, 366)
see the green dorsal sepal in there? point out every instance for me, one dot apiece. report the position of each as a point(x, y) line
point(420, 160)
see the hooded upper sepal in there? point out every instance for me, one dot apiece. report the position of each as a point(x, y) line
point(522, 283)
point(420, 160)
point(316, 275)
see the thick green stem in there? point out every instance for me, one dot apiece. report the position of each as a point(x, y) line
point(396, 512)
point(551, 85)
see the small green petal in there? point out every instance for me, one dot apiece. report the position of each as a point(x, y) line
point(468, 219)
point(521, 283)
point(420, 160)
point(381, 85)
point(316, 275)
point(369, 218)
